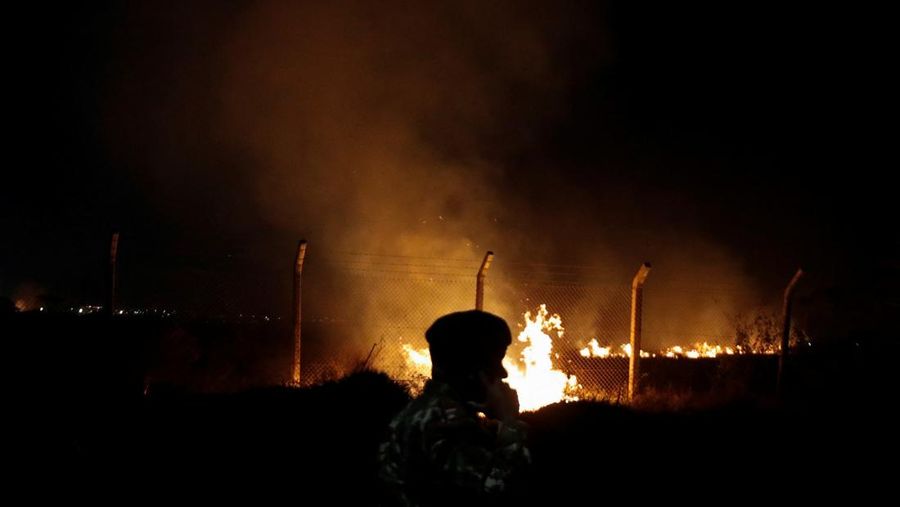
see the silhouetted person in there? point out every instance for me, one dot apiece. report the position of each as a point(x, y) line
point(460, 442)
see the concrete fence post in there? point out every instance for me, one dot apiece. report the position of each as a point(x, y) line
point(786, 329)
point(296, 309)
point(479, 283)
point(113, 260)
point(637, 302)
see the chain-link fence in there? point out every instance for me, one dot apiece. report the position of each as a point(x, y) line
point(594, 309)
point(385, 303)
point(227, 315)
point(372, 310)
point(219, 309)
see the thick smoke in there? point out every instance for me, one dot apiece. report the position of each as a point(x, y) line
point(412, 129)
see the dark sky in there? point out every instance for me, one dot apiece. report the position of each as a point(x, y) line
point(752, 130)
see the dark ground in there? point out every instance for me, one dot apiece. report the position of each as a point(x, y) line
point(91, 425)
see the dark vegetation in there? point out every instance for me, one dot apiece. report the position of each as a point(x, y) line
point(91, 418)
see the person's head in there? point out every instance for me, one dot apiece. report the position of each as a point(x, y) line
point(467, 350)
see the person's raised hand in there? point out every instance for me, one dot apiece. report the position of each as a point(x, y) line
point(502, 401)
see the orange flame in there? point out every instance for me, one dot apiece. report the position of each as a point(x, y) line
point(595, 350)
point(536, 381)
point(532, 375)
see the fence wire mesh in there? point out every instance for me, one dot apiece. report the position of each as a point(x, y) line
point(227, 313)
point(217, 318)
point(387, 302)
point(592, 310)
point(377, 309)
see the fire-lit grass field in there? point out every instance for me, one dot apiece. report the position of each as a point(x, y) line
point(96, 419)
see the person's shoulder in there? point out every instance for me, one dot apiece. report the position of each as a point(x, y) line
point(436, 405)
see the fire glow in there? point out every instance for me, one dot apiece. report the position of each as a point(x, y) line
point(532, 375)
point(535, 378)
point(695, 351)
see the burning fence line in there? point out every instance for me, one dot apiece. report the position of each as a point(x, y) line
point(536, 379)
point(532, 374)
point(696, 351)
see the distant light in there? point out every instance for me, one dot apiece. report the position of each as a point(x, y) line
point(81, 310)
point(121, 312)
point(42, 308)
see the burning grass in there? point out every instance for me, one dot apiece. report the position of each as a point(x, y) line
point(536, 368)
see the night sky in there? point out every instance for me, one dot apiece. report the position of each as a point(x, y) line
point(751, 135)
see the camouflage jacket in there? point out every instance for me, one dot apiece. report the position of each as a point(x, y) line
point(441, 451)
